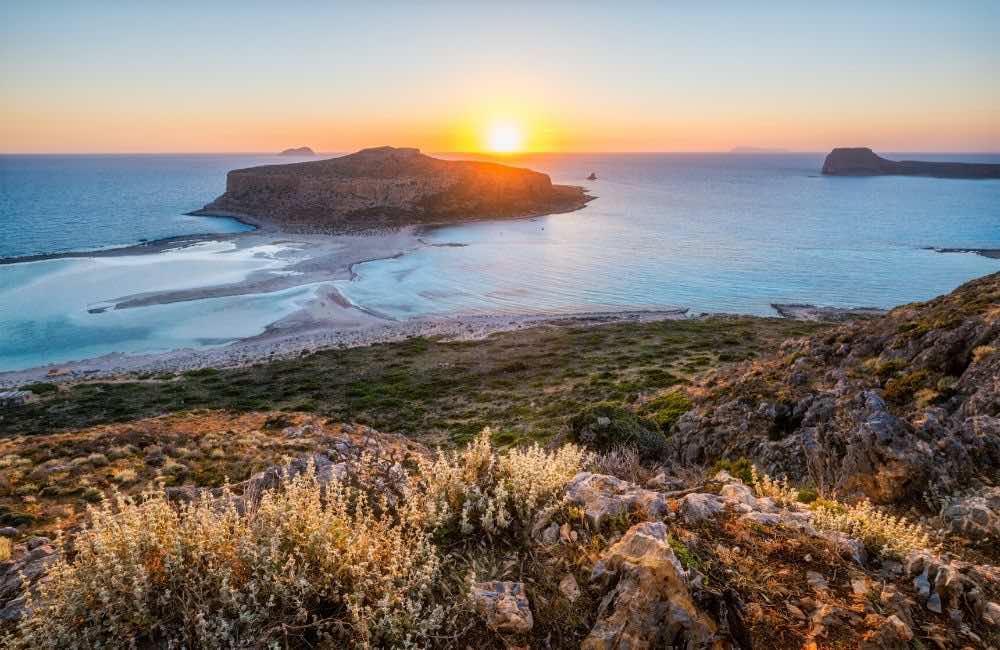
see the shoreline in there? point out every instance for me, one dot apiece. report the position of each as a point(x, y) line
point(303, 333)
point(992, 253)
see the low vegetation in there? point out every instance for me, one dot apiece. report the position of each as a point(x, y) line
point(526, 385)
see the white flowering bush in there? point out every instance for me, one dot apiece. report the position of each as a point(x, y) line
point(891, 536)
point(479, 489)
point(780, 490)
point(305, 562)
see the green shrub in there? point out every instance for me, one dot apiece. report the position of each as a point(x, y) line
point(667, 409)
point(901, 389)
point(740, 468)
point(41, 388)
point(605, 427)
point(808, 495)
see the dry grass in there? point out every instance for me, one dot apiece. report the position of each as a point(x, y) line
point(305, 563)
point(42, 488)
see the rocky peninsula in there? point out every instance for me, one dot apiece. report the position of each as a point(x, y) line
point(862, 161)
point(387, 187)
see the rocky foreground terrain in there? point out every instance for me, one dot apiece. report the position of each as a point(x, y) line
point(862, 161)
point(840, 493)
point(388, 187)
point(896, 409)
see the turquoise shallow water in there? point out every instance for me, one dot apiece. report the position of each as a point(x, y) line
point(711, 232)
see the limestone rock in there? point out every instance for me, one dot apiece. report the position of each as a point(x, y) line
point(651, 605)
point(569, 587)
point(504, 605)
point(698, 507)
point(604, 497)
point(22, 572)
point(976, 516)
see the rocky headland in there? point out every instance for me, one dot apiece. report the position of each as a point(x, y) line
point(862, 161)
point(387, 187)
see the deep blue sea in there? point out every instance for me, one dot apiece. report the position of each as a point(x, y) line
point(713, 232)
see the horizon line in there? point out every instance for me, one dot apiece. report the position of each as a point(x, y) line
point(733, 151)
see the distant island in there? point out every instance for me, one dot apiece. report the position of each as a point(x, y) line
point(387, 187)
point(298, 151)
point(862, 161)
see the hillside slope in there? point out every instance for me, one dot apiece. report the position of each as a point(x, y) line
point(888, 408)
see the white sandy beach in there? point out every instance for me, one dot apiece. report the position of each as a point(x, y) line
point(326, 319)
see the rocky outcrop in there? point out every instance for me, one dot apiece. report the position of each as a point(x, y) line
point(976, 516)
point(603, 497)
point(861, 161)
point(888, 408)
point(27, 565)
point(388, 187)
point(298, 151)
point(651, 605)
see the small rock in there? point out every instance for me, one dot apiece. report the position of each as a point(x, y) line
point(991, 614)
point(569, 587)
point(8, 531)
point(663, 482)
point(504, 605)
point(816, 581)
point(859, 586)
point(698, 507)
point(551, 534)
point(934, 603)
point(922, 585)
point(902, 630)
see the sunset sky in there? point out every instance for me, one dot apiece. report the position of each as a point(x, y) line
point(556, 76)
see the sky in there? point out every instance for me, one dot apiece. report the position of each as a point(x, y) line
point(181, 76)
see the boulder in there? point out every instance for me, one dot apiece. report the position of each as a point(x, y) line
point(651, 604)
point(604, 497)
point(976, 516)
point(699, 506)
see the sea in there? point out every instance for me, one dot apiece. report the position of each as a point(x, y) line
point(711, 232)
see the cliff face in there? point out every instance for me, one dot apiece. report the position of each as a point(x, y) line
point(862, 161)
point(385, 187)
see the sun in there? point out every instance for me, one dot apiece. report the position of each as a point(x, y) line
point(504, 137)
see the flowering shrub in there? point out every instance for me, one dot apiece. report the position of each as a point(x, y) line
point(481, 490)
point(779, 490)
point(892, 536)
point(306, 561)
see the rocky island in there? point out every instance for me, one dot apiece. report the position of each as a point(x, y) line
point(862, 161)
point(298, 151)
point(387, 187)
